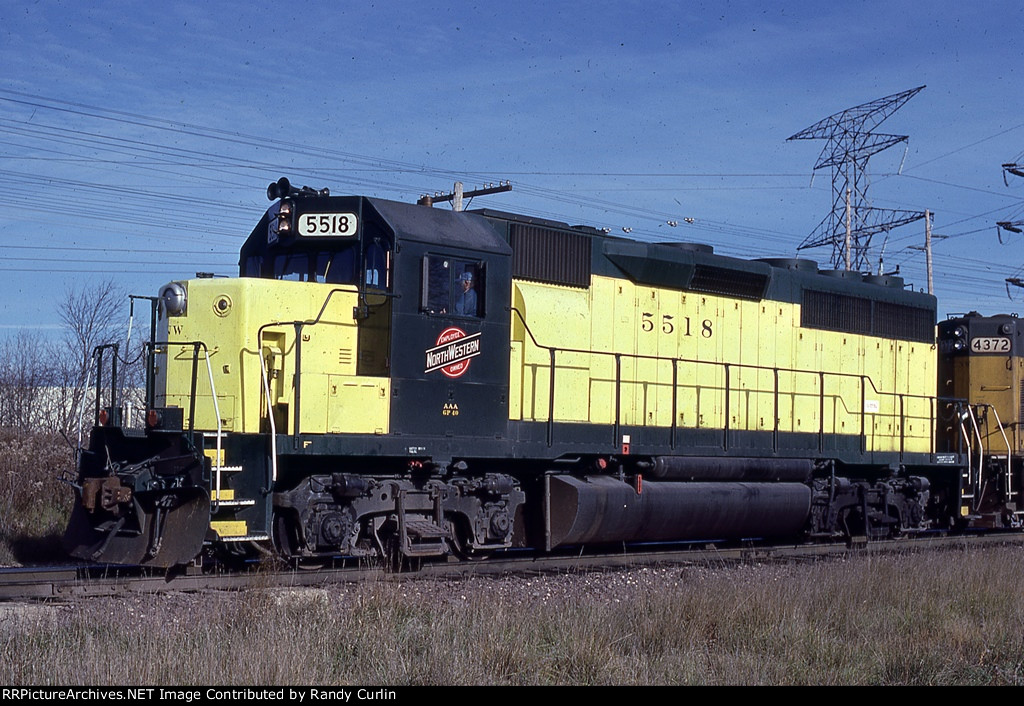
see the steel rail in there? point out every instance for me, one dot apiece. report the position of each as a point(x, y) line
point(68, 583)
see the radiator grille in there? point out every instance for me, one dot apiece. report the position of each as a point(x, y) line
point(729, 283)
point(849, 314)
point(548, 255)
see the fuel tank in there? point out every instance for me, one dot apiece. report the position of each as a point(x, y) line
point(603, 509)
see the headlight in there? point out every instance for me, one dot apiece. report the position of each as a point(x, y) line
point(284, 216)
point(173, 299)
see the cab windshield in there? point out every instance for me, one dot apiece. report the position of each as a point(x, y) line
point(335, 267)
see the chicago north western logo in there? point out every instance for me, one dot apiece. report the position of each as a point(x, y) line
point(453, 353)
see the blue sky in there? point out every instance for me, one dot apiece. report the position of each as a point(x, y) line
point(137, 139)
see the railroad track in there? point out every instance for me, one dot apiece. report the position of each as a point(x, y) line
point(75, 582)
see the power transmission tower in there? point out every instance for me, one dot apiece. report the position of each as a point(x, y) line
point(1012, 226)
point(849, 142)
point(1016, 169)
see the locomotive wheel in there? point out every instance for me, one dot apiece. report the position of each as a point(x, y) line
point(457, 532)
point(286, 544)
point(474, 554)
point(393, 554)
point(395, 561)
point(286, 538)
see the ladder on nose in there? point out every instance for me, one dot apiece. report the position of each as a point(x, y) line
point(230, 499)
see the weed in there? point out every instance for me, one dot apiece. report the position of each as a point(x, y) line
point(34, 505)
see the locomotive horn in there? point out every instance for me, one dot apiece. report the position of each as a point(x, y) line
point(278, 189)
point(282, 187)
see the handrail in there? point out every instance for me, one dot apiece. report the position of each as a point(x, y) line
point(970, 450)
point(898, 398)
point(196, 345)
point(153, 308)
point(270, 418)
point(216, 411)
point(749, 366)
point(97, 355)
point(981, 458)
point(1010, 492)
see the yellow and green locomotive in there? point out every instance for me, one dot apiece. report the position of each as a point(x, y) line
point(387, 379)
point(981, 359)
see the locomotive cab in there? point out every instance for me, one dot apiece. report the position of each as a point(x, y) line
point(393, 321)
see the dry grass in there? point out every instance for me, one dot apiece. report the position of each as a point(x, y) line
point(946, 618)
point(34, 505)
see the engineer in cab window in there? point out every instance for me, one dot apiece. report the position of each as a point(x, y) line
point(465, 300)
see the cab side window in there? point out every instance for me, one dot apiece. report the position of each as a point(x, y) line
point(452, 287)
point(376, 266)
point(437, 287)
point(466, 295)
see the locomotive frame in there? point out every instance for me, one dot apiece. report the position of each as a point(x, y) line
point(341, 398)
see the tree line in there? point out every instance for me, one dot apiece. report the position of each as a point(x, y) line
point(47, 383)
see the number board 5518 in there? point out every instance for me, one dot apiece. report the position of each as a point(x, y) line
point(328, 224)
